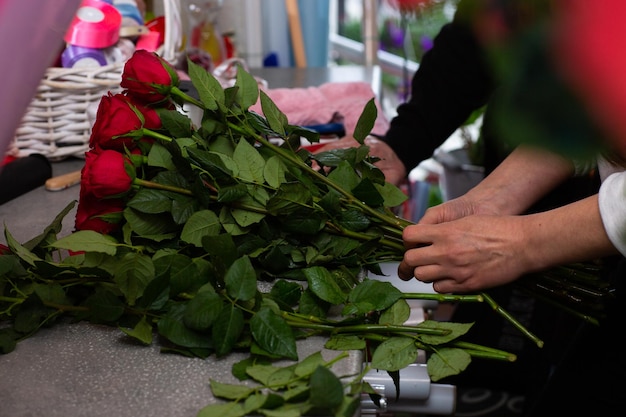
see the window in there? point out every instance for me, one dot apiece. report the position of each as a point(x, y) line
point(372, 32)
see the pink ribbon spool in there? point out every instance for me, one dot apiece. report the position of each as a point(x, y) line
point(95, 25)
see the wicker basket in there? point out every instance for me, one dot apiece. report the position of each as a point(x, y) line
point(57, 123)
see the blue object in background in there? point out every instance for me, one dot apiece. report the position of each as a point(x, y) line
point(315, 26)
point(314, 19)
point(271, 60)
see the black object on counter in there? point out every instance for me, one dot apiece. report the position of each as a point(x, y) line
point(22, 175)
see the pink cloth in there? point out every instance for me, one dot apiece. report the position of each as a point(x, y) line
point(317, 105)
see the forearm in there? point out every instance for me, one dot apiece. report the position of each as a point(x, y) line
point(571, 233)
point(525, 176)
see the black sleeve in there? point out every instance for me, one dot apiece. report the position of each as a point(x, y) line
point(452, 81)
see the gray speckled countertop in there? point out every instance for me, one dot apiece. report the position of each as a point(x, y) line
point(86, 370)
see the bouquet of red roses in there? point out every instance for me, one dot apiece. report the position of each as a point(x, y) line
point(179, 224)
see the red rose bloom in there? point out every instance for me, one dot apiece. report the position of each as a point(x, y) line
point(119, 122)
point(106, 174)
point(148, 77)
point(102, 216)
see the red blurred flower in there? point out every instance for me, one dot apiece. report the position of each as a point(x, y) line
point(4, 250)
point(589, 47)
point(148, 77)
point(106, 174)
point(409, 6)
point(100, 215)
point(119, 123)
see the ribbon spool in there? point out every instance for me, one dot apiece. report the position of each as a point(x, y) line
point(130, 12)
point(78, 56)
point(95, 25)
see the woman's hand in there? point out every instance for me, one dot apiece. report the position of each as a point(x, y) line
point(390, 165)
point(478, 251)
point(465, 255)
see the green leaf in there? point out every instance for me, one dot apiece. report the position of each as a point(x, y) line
point(296, 409)
point(11, 263)
point(8, 340)
point(141, 332)
point(245, 218)
point(183, 207)
point(51, 293)
point(134, 272)
point(306, 222)
point(157, 227)
point(148, 200)
point(355, 220)
point(178, 125)
point(202, 223)
point(275, 118)
point(326, 389)
point(261, 373)
point(323, 285)
point(273, 334)
point(366, 121)
point(172, 328)
point(240, 279)
point(104, 307)
point(227, 329)
point(229, 391)
point(373, 295)
point(289, 198)
point(283, 377)
point(392, 195)
point(250, 163)
point(368, 193)
point(203, 309)
point(349, 407)
point(159, 156)
point(209, 89)
point(222, 250)
point(309, 364)
point(446, 362)
point(344, 176)
point(342, 342)
point(274, 171)
point(248, 92)
point(397, 314)
point(183, 272)
point(453, 331)
point(87, 240)
point(31, 315)
point(268, 401)
point(232, 193)
point(311, 305)
point(222, 410)
point(286, 292)
point(394, 354)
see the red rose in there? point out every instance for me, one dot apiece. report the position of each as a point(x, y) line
point(119, 122)
point(148, 77)
point(106, 174)
point(100, 215)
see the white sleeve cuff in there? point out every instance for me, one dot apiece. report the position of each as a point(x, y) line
point(612, 201)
